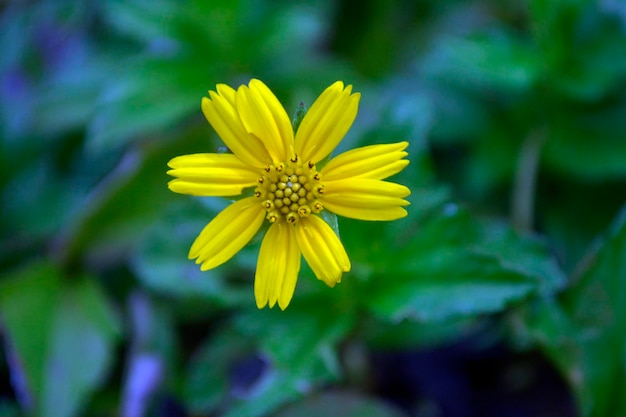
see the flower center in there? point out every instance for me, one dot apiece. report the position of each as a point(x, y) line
point(290, 190)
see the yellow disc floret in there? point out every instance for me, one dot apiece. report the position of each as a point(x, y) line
point(290, 190)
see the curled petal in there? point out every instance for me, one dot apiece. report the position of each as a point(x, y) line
point(322, 249)
point(265, 118)
point(208, 174)
point(278, 267)
point(221, 113)
point(227, 233)
point(365, 199)
point(375, 162)
point(326, 122)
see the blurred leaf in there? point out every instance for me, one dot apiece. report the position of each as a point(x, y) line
point(493, 161)
point(145, 21)
point(80, 354)
point(164, 23)
point(34, 215)
point(297, 364)
point(150, 96)
point(65, 100)
point(187, 51)
point(454, 266)
point(586, 333)
point(452, 285)
point(257, 356)
point(118, 211)
point(588, 150)
point(597, 305)
point(8, 409)
point(64, 339)
point(339, 403)
point(209, 380)
point(311, 356)
point(459, 117)
point(407, 335)
point(29, 331)
point(526, 254)
point(563, 204)
point(554, 25)
point(581, 45)
point(229, 374)
point(278, 390)
point(401, 112)
point(368, 35)
point(162, 264)
point(497, 60)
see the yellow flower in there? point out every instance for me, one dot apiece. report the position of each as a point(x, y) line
point(289, 191)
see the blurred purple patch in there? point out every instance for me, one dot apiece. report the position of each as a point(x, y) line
point(13, 84)
point(60, 46)
point(144, 377)
point(247, 375)
point(15, 108)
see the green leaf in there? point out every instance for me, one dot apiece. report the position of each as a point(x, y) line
point(527, 254)
point(298, 115)
point(208, 375)
point(8, 409)
point(152, 95)
point(29, 330)
point(36, 215)
point(118, 212)
point(165, 24)
point(291, 363)
point(553, 26)
point(408, 334)
point(498, 60)
point(339, 403)
point(453, 267)
point(221, 376)
point(493, 161)
point(63, 335)
point(581, 43)
point(453, 285)
point(279, 388)
point(588, 147)
point(586, 333)
point(597, 306)
point(311, 356)
point(596, 202)
point(65, 101)
point(162, 264)
point(80, 349)
point(460, 117)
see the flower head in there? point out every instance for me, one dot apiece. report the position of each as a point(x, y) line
point(288, 189)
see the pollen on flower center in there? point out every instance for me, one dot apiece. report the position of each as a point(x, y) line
point(290, 190)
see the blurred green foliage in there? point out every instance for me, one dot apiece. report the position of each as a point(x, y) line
point(516, 117)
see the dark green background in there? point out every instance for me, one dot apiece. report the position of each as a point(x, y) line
point(516, 235)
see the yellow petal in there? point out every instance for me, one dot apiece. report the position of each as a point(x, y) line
point(209, 174)
point(278, 267)
point(326, 122)
point(220, 112)
point(365, 199)
point(374, 162)
point(227, 233)
point(265, 118)
point(322, 249)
